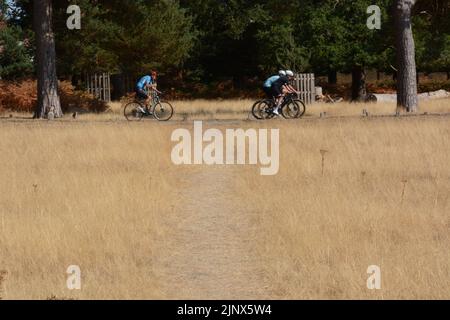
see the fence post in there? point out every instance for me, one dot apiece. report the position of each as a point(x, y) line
point(99, 85)
point(109, 87)
point(103, 86)
point(313, 82)
point(96, 85)
point(307, 91)
point(305, 84)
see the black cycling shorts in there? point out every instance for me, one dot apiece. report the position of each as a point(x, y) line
point(141, 94)
point(268, 92)
point(277, 90)
point(273, 92)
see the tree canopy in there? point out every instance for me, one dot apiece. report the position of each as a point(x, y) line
point(209, 40)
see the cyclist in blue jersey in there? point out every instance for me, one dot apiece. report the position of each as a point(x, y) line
point(267, 87)
point(280, 88)
point(146, 82)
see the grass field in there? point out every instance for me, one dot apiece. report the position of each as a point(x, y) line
point(239, 109)
point(351, 192)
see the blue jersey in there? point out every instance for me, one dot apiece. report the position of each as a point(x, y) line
point(269, 82)
point(144, 81)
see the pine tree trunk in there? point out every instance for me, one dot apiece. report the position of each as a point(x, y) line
point(406, 58)
point(49, 105)
point(359, 90)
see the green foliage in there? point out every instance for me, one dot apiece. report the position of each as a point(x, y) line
point(214, 40)
point(282, 49)
point(303, 35)
point(127, 36)
point(225, 46)
point(443, 60)
point(432, 32)
point(15, 57)
point(338, 35)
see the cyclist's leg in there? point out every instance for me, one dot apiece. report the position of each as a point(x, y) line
point(278, 94)
point(141, 95)
point(148, 101)
point(284, 92)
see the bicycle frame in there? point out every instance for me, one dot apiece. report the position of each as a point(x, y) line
point(154, 106)
point(155, 99)
point(286, 99)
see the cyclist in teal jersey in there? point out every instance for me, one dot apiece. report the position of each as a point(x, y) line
point(146, 82)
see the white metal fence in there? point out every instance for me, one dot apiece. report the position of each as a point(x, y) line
point(305, 83)
point(99, 84)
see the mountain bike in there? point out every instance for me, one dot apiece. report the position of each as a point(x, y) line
point(159, 109)
point(291, 108)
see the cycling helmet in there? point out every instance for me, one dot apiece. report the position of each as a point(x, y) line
point(289, 73)
point(282, 73)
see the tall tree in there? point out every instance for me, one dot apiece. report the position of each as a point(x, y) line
point(337, 34)
point(406, 57)
point(49, 104)
point(15, 57)
point(226, 46)
point(131, 36)
point(432, 35)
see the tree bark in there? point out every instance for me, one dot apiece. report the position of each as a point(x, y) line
point(406, 58)
point(359, 90)
point(49, 105)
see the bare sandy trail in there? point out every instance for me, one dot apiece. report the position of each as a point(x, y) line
point(210, 254)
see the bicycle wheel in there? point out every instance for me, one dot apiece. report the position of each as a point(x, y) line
point(301, 106)
point(291, 110)
point(163, 111)
point(267, 107)
point(256, 110)
point(133, 111)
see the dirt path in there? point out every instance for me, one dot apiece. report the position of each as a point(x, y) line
point(210, 254)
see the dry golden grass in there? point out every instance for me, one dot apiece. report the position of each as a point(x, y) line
point(385, 108)
point(383, 200)
point(197, 109)
point(105, 196)
point(240, 109)
point(85, 195)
